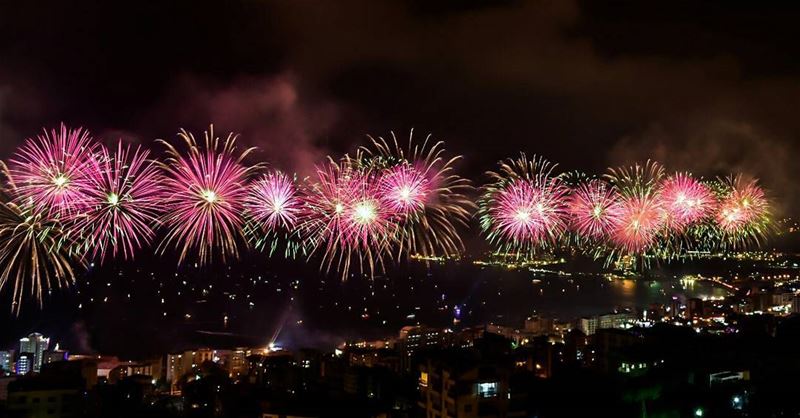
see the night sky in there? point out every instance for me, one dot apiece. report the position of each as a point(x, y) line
point(712, 87)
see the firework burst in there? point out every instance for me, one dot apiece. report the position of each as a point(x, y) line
point(122, 203)
point(596, 210)
point(420, 183)
point(637, 180)
point(50, 171)
point(686, 201)
point(404, 189)
point(207, 192)
point(525, 206)
point(274, 206)
point(743, 214)
point(274, 201)
point(347, 218)
point(643, 214)
point(641, 220)
point(34, 256)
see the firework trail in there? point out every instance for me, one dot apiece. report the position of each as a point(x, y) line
point(419, 183)
point(34, 256)
point(207, 190)
point(122, 203)
point(275, 207)
point(525, 206)
point(596, 210)
point(50, 171)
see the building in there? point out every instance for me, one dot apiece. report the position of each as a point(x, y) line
point(237, 366)
point(588, 325)
point(133, 369)
point(58, 391)
point(416, 338)
point(613, 320)
point(24, 363)
point(617, 320)
point(4, 382)
point(174, 370)
point(178, 364)
point(51, 356)
point(538, 325)
point(467, 383)
point(35, 344)
point(6, 361)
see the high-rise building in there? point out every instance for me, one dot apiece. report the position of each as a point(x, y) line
point(34, 344)
point(6, 361)
point(24, 363)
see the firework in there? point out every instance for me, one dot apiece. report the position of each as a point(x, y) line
point(596, 209)
point(637, 180)
point(274, 202)
point(686, 201)
point(743, 212)
point(404, 189)
point(347, 218)
point(641, 219)
point(421, 185)
point(207, 192)
point(525, 207)
point(34, 256)
point(274, 206)
point(50, 171)
point(122, 203)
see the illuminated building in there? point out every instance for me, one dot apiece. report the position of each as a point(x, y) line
point(51, 356)
point(6, 360)
point(415, 338)
point(463, 383)
point(538, 325)
point(588, 325)
point(613, 320)
point(174, 370)
point(35, 344)
point(24, 363)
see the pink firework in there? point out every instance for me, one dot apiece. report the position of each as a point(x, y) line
point(274, 202)
point(745, 206)
point(529, 214)
point(421, 186)
point(50, 171)
point(404, 189)
point(686, 201)
point(641, 219)
point(207, 192)
point(347, 217)
point(122, 204)
point(595, 209)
